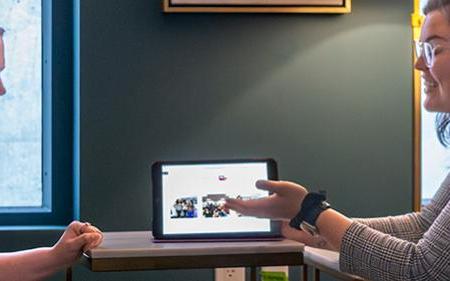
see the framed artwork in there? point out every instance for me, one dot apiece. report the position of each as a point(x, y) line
point(257, 6)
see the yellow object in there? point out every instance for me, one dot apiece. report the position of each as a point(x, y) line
point(416, 20)
point(273, 276)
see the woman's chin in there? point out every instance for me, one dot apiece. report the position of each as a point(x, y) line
point(429, 105)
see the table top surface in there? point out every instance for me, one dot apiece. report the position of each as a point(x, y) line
point(141, 244)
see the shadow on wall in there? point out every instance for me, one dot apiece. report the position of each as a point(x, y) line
point(177, 60)
point(154, 84)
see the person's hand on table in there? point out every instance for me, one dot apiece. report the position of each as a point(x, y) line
point(78, 238)
point(316, 241)
point(284, 203)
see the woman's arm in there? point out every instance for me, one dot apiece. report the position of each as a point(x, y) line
point(406, 227)
point(378, 256)
point(285, 202)
point(316, 241)
point(38, 264)
point(364, 251)
point(412, 226)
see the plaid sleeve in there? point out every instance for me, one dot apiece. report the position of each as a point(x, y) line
point(380, 257)
point(411, 227)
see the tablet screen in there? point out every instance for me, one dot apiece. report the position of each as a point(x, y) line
point(192, 197)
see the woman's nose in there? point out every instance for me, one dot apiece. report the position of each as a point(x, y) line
point(420, 64)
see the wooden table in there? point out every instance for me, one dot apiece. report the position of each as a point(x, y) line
point(326, 261)
point(132, 251)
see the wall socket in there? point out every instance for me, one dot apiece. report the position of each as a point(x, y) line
point(230, 274)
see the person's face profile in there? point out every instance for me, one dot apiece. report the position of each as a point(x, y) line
point(435, 67)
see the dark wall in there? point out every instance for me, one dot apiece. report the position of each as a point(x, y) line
point(328, 96)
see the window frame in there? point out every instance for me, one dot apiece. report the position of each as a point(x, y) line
point(57, 123)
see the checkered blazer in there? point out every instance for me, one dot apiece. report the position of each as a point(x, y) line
point(414, 246)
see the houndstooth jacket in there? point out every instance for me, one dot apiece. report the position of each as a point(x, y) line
point(414, 246)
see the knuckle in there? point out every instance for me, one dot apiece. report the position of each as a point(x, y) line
point(74, 223)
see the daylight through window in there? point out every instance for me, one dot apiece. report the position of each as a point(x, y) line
point(20, 103)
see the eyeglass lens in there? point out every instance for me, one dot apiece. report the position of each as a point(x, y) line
point(425, 49)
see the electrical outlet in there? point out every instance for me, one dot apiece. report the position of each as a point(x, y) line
point(230, 274)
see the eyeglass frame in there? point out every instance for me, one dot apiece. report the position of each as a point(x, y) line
point(420, 48)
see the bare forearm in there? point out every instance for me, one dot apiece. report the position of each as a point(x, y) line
point(332, 226)
point(29, 265)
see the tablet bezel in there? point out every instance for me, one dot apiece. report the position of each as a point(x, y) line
point(275, 225)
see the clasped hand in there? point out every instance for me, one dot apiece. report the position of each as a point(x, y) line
point(78, 238)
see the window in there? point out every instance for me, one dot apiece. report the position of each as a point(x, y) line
point(36, 112)
point(21, 104)
point(435, 158)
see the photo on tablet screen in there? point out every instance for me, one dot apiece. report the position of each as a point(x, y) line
point(184, 208)
point(212, 205)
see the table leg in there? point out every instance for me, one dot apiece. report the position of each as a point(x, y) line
point(316, 274)
point(304, 272)
point(69, 274)
point(253, 273)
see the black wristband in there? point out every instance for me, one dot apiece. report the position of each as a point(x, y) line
point(309, 210)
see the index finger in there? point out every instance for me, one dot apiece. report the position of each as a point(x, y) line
point(92, 240)
point(76, 227)
point(253, 207)
point(278, 187)
point(90, 228)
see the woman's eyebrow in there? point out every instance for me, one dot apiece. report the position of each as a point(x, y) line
point(433, 37)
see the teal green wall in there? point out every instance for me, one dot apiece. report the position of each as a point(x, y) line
point(328, 96)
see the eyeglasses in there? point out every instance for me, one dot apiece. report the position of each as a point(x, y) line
point(427, 51)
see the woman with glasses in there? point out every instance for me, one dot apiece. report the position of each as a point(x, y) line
point(40, 263)
point(413, 246)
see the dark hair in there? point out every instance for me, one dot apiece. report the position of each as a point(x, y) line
point(433, 5)
point(442, 128)
point(442, 121)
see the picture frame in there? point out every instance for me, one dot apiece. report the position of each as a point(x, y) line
point(257, 6)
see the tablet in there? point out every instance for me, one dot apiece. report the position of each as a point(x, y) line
point(188, 198)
